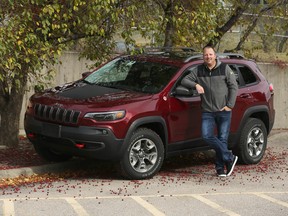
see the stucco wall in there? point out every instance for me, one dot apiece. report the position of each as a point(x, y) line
point(71, 68)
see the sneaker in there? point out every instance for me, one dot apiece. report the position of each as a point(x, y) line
point(221, 173)
point(231, 165)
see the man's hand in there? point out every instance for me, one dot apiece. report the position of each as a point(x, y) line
point(226, 108)
point(199, 89)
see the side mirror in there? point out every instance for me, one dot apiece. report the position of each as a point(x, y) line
point(182, 91)
point(85, 74)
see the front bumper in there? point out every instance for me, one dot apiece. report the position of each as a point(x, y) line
point(90, 142)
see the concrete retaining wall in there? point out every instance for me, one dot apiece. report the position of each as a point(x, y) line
point(71, 68)
point(278, 76)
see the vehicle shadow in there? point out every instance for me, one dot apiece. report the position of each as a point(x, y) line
point(80, 168)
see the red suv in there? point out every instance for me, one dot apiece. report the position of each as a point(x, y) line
point(133, 110)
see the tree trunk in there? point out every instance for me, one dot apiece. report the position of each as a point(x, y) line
point(244, 37)
point(10, 109)
point(231, 22)
point(169, 31)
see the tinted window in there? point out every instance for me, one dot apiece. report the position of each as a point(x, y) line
point(243, 74)
point(247, 75)
point(133, 74)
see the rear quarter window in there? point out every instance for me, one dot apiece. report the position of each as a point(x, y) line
point(247, 75)
point(244, 75)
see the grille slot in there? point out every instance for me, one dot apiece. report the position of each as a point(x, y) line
point(56, 114)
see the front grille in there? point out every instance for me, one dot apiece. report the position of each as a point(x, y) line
point(56, 114)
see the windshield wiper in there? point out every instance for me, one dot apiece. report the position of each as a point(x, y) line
point(86, 81)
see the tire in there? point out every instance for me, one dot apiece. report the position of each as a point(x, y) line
point(144, 156)
point(253, 142)
point(49, 154)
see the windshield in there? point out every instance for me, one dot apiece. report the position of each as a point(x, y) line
point(134, 75)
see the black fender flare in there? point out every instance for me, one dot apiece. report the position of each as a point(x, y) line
point(251, 112)
point(143, 121)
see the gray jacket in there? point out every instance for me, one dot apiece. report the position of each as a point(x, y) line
point(219, 85)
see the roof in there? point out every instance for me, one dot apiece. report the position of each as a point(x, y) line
point(180, 55)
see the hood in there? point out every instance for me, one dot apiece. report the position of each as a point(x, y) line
point(83, 93)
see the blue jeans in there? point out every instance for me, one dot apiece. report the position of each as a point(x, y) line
point(221, 120)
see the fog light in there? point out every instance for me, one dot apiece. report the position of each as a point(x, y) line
point(31, 135)
point(80, 145)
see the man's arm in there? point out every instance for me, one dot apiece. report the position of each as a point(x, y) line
point(190, 81)
point(232, 87)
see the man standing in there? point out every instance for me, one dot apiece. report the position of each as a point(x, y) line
point(217, 86)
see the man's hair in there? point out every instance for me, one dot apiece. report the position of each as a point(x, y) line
point(209, 46)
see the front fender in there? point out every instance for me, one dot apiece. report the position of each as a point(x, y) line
point(148, 122)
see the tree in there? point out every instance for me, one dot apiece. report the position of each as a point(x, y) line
point(174, 22)
point(280, 46)
point(189, 23)
point(200, 23)
point(33, 34)
point(262, 19)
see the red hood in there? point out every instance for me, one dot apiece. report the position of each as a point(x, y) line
point(86, 94)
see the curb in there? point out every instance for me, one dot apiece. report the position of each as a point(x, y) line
point(28, 171)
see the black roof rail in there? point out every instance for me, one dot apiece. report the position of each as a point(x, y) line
point(154, 52)
point(230, 55)
point(187, 49)
point(198, 56)
point(219, 55)
point(169, 49)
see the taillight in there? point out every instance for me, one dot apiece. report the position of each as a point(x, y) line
point(271, 88)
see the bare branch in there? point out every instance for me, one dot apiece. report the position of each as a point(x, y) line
point(253, 24)
point(229, 24)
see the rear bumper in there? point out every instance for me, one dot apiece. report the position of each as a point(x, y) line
point(90, 142)
point(272, 120)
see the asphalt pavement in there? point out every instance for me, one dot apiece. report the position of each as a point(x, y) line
point(184, 186)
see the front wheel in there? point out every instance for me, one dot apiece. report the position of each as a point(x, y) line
point(144, 156)
point(253, 142)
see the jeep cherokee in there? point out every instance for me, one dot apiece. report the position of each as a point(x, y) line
point(134, 111)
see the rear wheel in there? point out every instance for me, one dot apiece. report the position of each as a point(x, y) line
point(144, 155)
point(253, 142)
point(50, 154)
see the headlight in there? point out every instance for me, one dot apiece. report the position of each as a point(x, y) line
point(29, 105)
point(106, 116)
point(29, 108)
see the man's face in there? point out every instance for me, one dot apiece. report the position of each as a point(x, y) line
point(209, 56)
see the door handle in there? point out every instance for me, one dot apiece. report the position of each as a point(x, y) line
point(245, 95)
